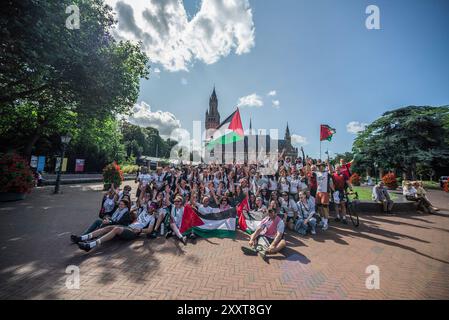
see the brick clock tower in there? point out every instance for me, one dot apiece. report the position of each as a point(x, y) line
point(212, 115)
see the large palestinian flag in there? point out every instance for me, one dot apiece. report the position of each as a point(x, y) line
point(219, 225)
point(229, 131)
point(248, 220)
point(326, 132)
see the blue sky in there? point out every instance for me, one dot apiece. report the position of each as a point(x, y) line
point(323, 63)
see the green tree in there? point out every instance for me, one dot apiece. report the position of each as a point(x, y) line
point(62, 73)
point(404, 139)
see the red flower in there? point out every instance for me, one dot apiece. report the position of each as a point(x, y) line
point(15, 174)
point(390, 180)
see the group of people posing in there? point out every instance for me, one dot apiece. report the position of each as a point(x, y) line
point(296, 197)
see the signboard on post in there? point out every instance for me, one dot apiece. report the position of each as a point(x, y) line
point(58, 163)
point(64, 164)
point(79, 165)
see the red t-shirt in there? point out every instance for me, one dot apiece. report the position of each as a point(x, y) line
point(339, 181)
point(346, 170)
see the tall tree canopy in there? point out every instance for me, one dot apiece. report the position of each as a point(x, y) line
point(406, 139)
point(53, 78)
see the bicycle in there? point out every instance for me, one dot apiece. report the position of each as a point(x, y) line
point(350, 207)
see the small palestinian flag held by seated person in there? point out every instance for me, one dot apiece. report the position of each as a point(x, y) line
point(326, 132)
point(219, 225)
point(229, 131)
point(248, 220)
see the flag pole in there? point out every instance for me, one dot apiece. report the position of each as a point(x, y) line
point(320, 148)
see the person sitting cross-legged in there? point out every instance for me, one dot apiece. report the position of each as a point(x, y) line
point(143, 224)
point(268, 237)
point(306, 214)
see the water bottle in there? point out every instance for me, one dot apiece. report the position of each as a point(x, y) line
point(162, 229)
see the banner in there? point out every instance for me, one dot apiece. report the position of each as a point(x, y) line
point(64, 165)
point(58, 163)
point(79, 165)
point(40, 163)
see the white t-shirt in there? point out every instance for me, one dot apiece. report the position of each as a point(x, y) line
point(273, 184)
point(176, 214)
point(145, 178)
point(322, 181)
point(294, 183)
point(143, 221)
point(159, 179)
point(290, 207)
point(108, 205)
point(285, 187)
point(280, 227)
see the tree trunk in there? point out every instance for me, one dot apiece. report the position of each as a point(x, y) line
point(29, 146)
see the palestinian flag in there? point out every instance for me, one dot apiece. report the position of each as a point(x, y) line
point(218, 225)
point(229, 131)
point(326, 132)
point(248, 221)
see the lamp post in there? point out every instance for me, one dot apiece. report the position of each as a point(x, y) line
point(65, 141)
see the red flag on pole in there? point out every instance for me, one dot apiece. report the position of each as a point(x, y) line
point(326, 132)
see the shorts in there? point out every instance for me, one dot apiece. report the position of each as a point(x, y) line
point(264, 242)
point(339, 197)
point(128, 234)
point(322, 198)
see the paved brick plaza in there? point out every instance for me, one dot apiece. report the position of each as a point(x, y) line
point(411, 251)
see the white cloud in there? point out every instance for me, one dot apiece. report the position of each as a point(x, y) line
point(170, 39)
point(184, 81)
point(157, 70)
point(142, 116)
point(299, 140)
point(355, 127)
point(272, 93)
point(276, 104)
point(253, 100)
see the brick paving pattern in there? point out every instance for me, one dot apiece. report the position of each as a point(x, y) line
point(409, 249)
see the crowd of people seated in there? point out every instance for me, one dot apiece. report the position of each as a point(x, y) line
point(296, 197)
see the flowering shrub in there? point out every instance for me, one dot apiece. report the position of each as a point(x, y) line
point(390, 180)
point(129, 168)
point(15, 174)
point(355, 179)
point(113, 174)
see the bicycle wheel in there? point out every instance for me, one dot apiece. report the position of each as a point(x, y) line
point(353, 215)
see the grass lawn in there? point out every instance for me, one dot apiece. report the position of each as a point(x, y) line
point(366, 192)
point(431, 185)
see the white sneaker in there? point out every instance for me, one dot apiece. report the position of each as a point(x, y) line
point(313, 232)
point(325, 226)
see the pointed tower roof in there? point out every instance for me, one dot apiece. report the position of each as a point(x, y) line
point(213, 95)
point(287, 133)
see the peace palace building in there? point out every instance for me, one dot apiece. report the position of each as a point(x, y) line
point(254, 146)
